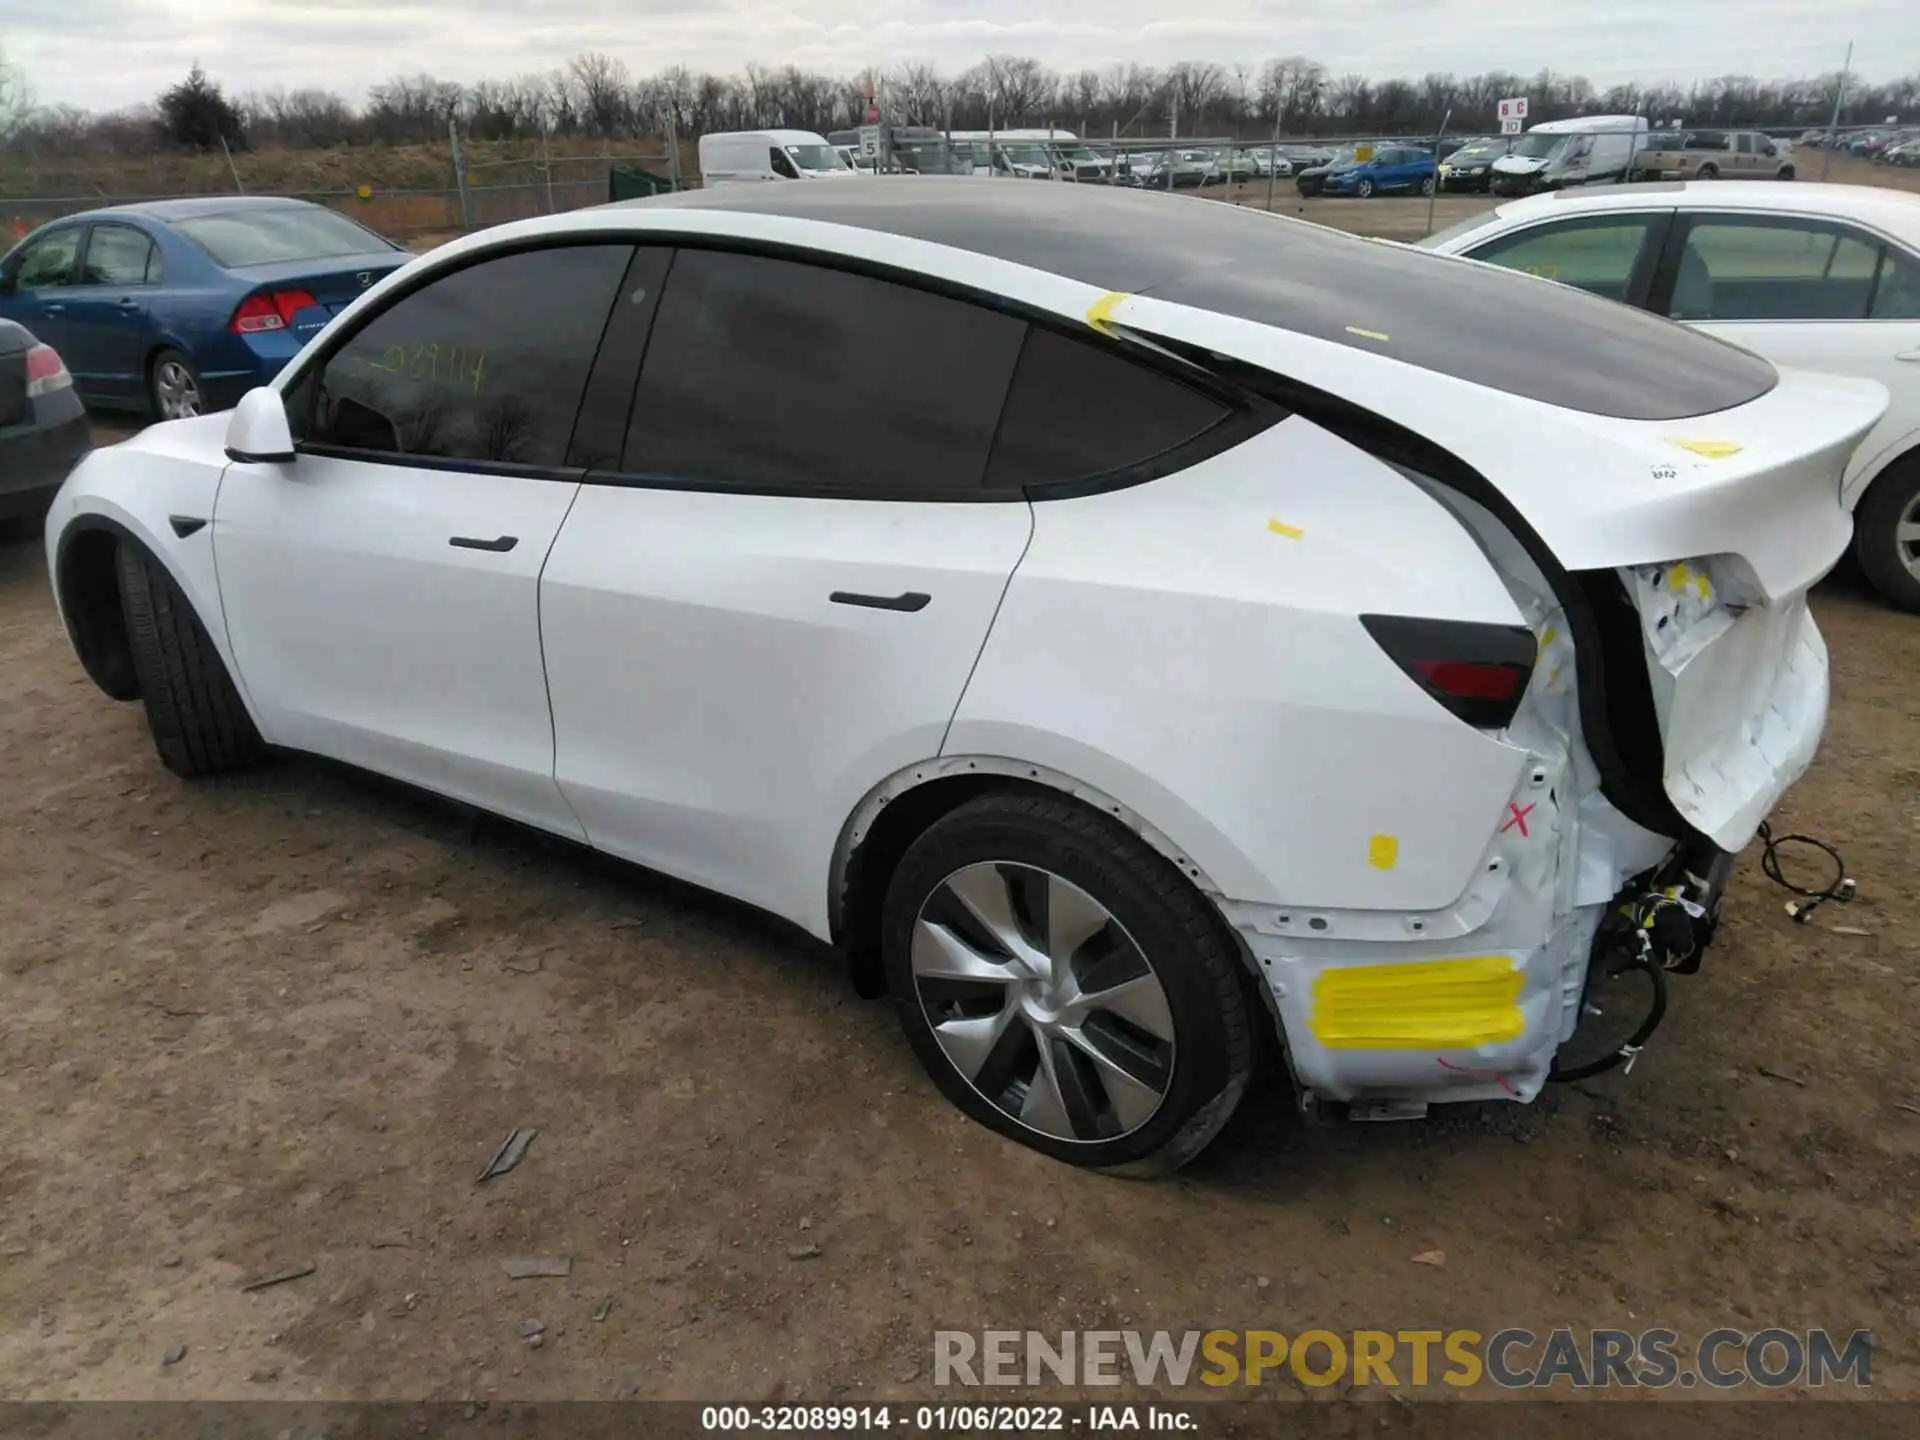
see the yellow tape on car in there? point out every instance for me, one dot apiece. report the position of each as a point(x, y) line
point(1420, 1005)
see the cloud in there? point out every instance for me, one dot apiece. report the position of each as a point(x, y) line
point(105, 53)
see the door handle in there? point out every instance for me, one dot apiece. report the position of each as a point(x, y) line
point(499, 546)
point(909, 601)
point(49, 308)
point(1911, 356)
point(127, 302)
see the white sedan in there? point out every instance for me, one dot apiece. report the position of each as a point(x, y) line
point(1821, 276)
point(1137, 632)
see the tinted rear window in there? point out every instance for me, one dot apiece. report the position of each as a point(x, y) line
point(270, 236)
point(1077, 410)
point(1477, 323)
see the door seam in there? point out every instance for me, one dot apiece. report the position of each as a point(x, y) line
point(546, 681)
point(985, 639)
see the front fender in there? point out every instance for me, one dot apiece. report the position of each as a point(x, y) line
point(135, 491)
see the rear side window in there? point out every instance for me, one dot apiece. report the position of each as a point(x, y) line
point(774, 375)
point(1077, 410)
point(1897, 296)
point(1766, 267)
point(271, 236)
point(119, 255)
point(485, 364)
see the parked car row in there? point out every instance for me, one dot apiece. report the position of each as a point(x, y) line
point(1869, 144)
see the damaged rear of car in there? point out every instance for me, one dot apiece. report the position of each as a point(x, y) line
point(1656, 511)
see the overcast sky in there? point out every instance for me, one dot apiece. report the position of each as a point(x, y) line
point(105, 53)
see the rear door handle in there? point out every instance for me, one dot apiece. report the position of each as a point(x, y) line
point(499, 545)
point(910, 601)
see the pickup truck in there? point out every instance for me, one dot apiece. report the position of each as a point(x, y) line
point(1712, 155)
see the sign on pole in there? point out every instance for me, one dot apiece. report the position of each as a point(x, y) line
point(1513, 115)
point(870, 141)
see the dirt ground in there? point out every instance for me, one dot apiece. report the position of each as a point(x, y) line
point(285, 1020)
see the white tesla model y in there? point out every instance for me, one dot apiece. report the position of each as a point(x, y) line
point(1129, 627)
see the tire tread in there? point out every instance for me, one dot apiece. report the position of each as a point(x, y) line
point(199, 724)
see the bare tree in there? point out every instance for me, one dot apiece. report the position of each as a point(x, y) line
point(1016, 85)
point(605, 92)
point(16, 99)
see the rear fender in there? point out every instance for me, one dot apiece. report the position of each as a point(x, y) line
point(1192, 647)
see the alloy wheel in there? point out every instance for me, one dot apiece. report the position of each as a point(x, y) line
point(176, 391)
point(1906, 537)
point(1043, 1002)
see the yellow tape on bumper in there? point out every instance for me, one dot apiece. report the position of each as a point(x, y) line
point(1423, 1005)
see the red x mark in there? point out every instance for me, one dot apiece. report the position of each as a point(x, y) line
point(1519, 817)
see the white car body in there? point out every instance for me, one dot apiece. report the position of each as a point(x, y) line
point(1885, 350)
point(653, 668)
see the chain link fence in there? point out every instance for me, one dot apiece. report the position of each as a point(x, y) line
point(476, 193)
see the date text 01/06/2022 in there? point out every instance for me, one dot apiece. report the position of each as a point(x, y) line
point(948, 1419)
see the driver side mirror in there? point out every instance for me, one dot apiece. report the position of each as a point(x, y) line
point(259, 434)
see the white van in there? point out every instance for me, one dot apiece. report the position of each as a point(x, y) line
point(1593, 150)
point(753, 155)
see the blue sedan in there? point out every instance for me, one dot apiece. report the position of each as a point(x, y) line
point(1392, 167)
point(176, 307)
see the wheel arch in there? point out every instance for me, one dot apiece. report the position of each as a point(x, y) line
point(86, 587)
point(1901, 450)
point(903, 806)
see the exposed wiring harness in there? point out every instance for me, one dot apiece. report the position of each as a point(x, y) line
point(1840, 889)
point(1633, 952)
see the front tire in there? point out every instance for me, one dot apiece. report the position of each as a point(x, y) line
point(1887, 534)
point(1066, 986)
point(1426, 186)
point(1363, 189)
point(199, 725)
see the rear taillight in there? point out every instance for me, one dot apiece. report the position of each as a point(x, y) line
point(1479, 672)
point(272, 311)
point(46, 372)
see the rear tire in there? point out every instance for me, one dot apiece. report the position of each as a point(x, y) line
point(1892, 564)
point(199, 725)
point(1107, 914)
point(174, 388)
point(1426, 186)
point(1786, 172)
point(1707, 172)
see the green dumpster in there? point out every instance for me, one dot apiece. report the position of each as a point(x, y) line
point(625, 183)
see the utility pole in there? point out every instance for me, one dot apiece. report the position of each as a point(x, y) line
point(1173, 131)
point(234, 169)
point(1273, 158)
point(1433, 195)
point(1839, 99)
